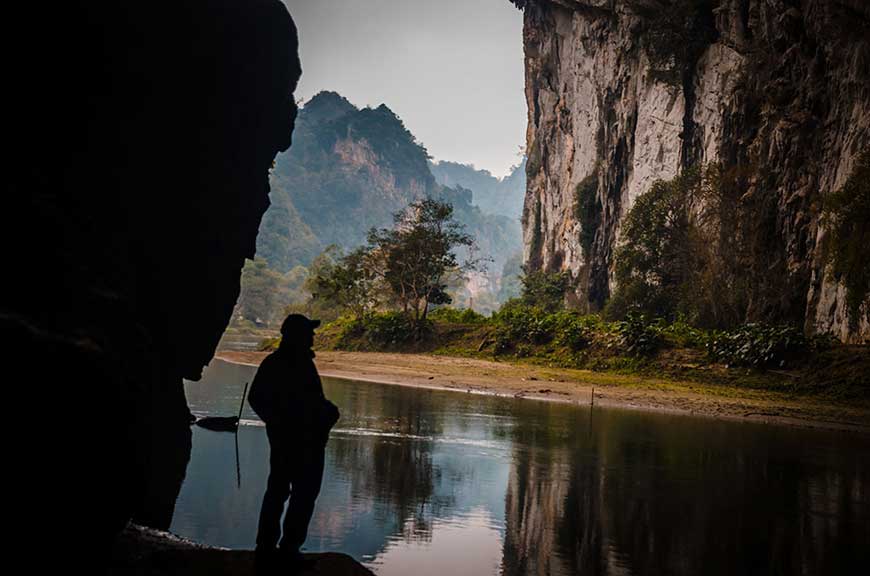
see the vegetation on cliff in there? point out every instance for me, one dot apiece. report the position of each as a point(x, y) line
point(847, 214)
point(674, 34)
point(679, 256)
point(587, 211)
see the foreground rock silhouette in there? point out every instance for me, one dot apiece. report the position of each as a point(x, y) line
point(141, 551)
point(143, 138)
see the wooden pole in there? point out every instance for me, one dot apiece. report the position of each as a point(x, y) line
point(242, 407)
point(238, 421)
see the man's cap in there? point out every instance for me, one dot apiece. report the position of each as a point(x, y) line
point(298, 323)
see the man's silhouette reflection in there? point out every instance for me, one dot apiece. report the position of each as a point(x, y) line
point(288, 396)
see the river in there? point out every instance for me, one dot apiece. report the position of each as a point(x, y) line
point(422, 482)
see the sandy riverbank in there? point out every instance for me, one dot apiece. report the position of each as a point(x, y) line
point(576, 386)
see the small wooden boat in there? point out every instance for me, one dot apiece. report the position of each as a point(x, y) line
point(219, 423)
point(223, 423)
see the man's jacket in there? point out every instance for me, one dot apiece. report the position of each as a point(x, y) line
point(288, 396)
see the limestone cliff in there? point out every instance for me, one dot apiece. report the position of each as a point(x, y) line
point(779, 89)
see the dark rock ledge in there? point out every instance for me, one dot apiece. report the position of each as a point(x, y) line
point(141, 551)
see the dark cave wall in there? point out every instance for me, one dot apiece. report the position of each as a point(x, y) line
point(143, 135)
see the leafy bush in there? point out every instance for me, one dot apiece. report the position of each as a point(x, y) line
point(454, 316)
point(574, 331)
point(520, 326)
point(637, 336)
point(269, 344)
point(522, 323)
point(545, 290)
point(681, 333)
point(379, 329)
point(757, 346)
point(391, 328)
point(349, 328)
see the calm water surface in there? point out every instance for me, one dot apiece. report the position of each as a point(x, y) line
point(445, 483)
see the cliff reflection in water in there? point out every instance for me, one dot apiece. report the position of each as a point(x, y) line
point(437, 482)
point(646, 494)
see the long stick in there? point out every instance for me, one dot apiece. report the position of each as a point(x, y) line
point(242, 407)
point(238, 467)
point(591, 405)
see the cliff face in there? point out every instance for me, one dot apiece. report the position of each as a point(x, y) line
point(777, 89)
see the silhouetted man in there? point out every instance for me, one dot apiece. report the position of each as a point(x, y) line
point(288, 396)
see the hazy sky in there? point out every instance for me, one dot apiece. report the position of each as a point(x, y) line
point(451, 69)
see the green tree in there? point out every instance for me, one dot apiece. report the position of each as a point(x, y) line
point(417, 256)
point(683, 251)
point(349, 282)
point(511, 274)
point(660, 259)
point(265, 292)
point(545, 290)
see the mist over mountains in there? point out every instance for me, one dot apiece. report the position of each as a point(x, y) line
point(493, 195)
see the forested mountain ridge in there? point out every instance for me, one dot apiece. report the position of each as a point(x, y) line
point(349, 170)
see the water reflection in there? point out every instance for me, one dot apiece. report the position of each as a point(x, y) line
point(431, 482)
point(646, 494)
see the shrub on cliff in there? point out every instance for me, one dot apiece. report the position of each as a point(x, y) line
point(674, 35)
point(587, 211)
point(682, 252)
point(847, 215)
point(661, 257)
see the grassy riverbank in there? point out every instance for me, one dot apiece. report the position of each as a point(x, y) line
point(753, 358)
point(818, 383)
point(753, 371)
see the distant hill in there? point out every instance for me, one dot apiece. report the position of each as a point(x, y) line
point(349, 170)
point(497, 196)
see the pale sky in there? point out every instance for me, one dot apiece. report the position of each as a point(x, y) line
point(451, 69)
